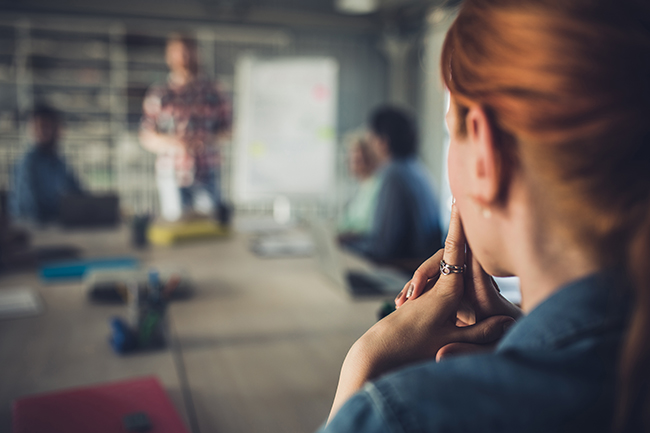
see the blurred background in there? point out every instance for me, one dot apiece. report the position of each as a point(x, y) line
point(95, 60)
point(117, 317)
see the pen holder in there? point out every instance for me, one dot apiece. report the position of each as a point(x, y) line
point(152, 325)
point(147, 327)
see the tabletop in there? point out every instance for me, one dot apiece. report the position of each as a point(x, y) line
point(256, 348)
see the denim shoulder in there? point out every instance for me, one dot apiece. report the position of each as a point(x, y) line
point(504, 392)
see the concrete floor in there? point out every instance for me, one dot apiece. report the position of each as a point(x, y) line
point(262, 340)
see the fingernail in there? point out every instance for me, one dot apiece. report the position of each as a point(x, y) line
point(410, 291)
point(507, 325)
point(399, 296)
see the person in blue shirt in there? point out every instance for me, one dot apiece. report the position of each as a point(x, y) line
point(549, 165)
point(405, 229)
point(41, 176)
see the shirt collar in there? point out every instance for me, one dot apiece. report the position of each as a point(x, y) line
point(596, 303)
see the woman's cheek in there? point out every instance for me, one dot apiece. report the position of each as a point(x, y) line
point(454, 168)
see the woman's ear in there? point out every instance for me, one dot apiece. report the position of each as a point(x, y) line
point(484, 164)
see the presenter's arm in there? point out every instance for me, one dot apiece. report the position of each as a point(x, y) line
point(160, 143)
point(223, 113)
point(150, 136)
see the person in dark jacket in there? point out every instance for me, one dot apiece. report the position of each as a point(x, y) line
point(41, 176)
point(406, 225)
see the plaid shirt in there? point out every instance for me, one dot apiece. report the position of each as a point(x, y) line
point(193, 113)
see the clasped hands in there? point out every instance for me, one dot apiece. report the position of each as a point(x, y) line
point(443, 315)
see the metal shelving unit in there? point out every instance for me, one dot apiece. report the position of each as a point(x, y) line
point(80, 70)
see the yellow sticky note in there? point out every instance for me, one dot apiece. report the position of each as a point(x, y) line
point(257, 149)
point(325, 133)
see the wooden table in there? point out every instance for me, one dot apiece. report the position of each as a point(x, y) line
point(260, 343)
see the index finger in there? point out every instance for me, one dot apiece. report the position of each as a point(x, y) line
point(422, 279)
point(454, 254)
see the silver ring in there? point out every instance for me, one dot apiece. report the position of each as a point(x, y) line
point(446, 269)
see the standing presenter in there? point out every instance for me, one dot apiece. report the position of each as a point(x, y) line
point(183, 122)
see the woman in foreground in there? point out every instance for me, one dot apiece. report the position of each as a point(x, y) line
point(549, 164)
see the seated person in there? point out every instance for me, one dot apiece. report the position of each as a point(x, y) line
point(405, 228)
point(41, 177)
point(360, 210)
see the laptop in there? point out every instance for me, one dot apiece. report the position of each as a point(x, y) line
point(85, 210)
point(359, 280)
point(282, 244)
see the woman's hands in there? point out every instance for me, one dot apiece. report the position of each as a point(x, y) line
point(481, 298)
point(422, 326)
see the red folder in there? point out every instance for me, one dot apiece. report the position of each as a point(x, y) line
point(97, 409)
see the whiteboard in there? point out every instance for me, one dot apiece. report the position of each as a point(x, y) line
point(285, 127)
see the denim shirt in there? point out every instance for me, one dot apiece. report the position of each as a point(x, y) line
point(554, 371)
point(41, 178)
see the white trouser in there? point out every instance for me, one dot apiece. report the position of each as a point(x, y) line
point(171, 207)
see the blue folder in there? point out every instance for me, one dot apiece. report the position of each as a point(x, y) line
point(77, 269)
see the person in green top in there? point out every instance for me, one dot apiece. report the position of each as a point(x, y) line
point(358, 214)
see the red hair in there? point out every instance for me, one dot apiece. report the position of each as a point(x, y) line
point(566, 84)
